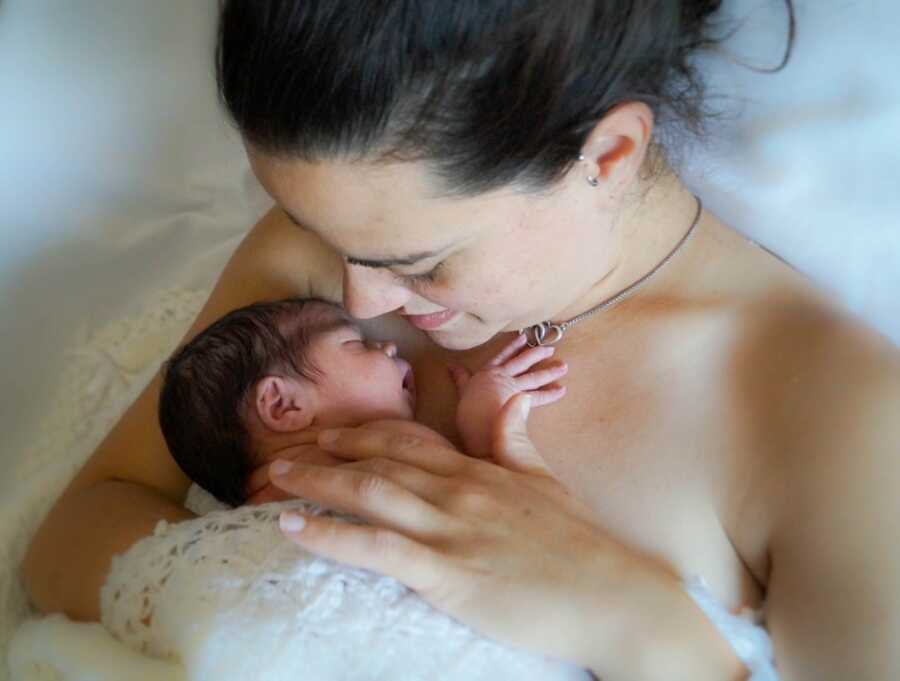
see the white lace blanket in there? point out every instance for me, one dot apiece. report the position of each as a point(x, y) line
point(231, 599)
point(224, 597)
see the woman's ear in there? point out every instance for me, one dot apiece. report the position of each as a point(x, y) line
point(615, 149)
point(284, 404)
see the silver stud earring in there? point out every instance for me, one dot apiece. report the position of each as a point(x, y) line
point(593, 181)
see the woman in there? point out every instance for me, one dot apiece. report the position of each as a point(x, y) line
point(475, 168)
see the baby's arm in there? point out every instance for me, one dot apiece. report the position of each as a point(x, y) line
point(483, 394)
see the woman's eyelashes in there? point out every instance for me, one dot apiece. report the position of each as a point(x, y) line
point(353, 341)
point(428, 277)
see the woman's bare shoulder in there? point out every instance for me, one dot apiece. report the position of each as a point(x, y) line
point(790, 336)
point(829, 388)
point(833, 382)
point(812, 391)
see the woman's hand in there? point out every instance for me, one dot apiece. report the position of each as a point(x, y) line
point(259, 488)
point(503, 548)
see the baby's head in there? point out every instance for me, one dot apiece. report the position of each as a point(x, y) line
point(268, 370)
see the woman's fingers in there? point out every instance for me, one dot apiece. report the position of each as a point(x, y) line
point(373, 548)
point(371, 443)
point(256, 482)
point(527, 359)
point(538, 379)
point(370, 496)
point(267, 494)
point(431, 488)
point(261, 478)
point(406, 476)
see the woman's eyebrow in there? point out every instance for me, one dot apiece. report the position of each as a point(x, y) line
point(381, 262)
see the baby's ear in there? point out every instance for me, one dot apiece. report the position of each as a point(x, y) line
point(284, 404)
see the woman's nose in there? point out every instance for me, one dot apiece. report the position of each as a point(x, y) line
point(369, 292)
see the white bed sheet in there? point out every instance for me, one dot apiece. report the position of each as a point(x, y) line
point(120, 177)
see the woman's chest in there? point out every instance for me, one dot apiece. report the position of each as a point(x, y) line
point(654, 460)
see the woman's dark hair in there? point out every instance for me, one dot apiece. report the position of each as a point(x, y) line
point(207, 387)
point(487, 93)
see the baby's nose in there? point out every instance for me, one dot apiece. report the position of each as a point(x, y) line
point(388, 347)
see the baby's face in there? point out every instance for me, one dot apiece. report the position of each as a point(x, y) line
point(361, 380)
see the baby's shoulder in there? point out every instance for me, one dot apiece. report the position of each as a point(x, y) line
point(412, 428)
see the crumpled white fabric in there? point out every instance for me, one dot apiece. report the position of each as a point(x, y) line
point(227, 596)
point(54, 648)
point(745, 631)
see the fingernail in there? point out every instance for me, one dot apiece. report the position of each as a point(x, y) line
point(291, 522)
point(280, 467)
point(328, 437)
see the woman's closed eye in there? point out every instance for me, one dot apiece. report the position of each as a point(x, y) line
point(353, 340)
point(428, 277)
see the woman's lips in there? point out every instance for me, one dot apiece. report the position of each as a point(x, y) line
point(430, 322)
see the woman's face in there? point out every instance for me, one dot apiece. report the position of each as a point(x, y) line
point(462, 270)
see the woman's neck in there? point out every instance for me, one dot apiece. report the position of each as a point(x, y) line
point(648, 230)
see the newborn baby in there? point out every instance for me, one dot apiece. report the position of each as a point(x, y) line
point(243, 391)
point(225, 596)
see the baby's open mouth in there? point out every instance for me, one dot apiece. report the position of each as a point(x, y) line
point(409, 383)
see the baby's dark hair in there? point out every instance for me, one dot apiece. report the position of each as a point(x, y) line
point(488, 93)
point(208, 386)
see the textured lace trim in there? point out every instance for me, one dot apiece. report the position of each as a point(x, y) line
point(225, 593)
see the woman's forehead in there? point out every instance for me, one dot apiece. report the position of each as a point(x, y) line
point(334, 194)
point(377, 212)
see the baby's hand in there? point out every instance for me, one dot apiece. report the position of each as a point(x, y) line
point(483, 394)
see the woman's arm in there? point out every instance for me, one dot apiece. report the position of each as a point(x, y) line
point(131, 481)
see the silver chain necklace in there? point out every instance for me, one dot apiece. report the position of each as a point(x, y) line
point(548, 333)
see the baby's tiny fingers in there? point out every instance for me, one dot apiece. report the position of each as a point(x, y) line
point(541, 377)
point(509, 350)
point(547, 395)
point(527, 359)
point(460, 376)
